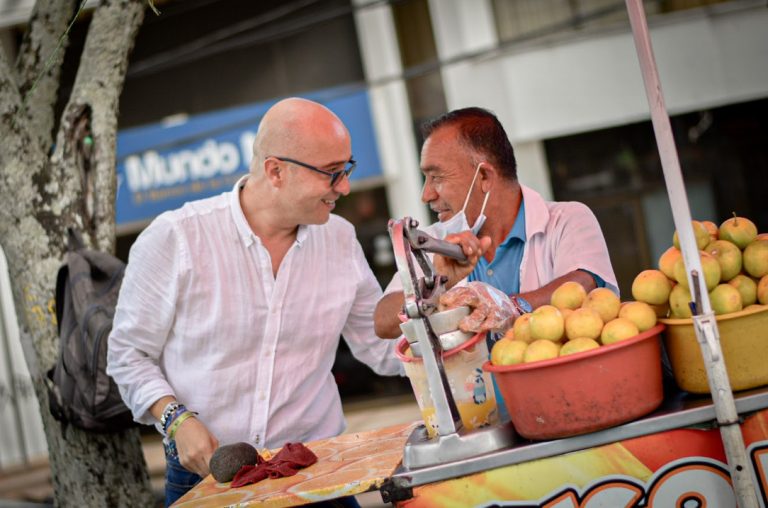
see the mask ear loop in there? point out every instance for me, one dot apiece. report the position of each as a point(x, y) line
point(480, 218)
point(485, 202)
point(472, 186)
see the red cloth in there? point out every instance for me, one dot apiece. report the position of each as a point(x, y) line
point(287, 462)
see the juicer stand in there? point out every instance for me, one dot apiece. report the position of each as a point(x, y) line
point(421, 296)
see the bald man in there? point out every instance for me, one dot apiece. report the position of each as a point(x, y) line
point(231, 309)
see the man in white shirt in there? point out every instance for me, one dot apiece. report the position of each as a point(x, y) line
point(231, 308)
point(516, 241)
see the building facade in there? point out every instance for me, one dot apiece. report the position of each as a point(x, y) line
point(564, 79)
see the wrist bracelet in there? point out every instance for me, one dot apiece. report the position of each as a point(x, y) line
point(177, 423)
point(521, 304)
point(169, 409)
point(181, 409)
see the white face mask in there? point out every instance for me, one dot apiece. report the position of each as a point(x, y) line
point(458, 222)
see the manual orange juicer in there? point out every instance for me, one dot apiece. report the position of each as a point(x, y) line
point(455, 395)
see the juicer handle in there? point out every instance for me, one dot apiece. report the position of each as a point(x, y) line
point(423, 241)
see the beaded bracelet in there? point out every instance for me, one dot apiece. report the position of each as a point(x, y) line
point(180, 409)
point(169, 409)
point(177, 423)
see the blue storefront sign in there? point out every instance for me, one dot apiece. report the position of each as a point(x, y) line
point(161, 166)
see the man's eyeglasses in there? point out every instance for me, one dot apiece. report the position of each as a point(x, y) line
point(349, 166)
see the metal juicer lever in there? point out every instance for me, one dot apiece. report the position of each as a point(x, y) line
point(429, 288)
point(422, 241)
point(421, 295)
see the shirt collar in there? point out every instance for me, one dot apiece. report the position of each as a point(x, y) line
point(538, 216)
point(243, 229)
point(518, 228)
point(301, 234)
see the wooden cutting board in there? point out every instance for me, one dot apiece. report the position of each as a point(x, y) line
point(347, 465)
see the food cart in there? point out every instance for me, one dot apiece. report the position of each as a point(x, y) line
point(672, 457)
point(690, 450)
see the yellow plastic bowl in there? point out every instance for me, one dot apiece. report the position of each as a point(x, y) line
point(743, 340)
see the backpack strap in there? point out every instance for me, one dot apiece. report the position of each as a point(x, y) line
point(74, 239)
point(61, 284)
point(106, 263)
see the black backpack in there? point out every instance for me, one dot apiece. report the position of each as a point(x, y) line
point(80, 391)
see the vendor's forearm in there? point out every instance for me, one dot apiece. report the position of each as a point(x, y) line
point(385, 319)
point(543, 295)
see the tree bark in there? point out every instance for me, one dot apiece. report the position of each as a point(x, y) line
point(42, 196)
point(39, 48)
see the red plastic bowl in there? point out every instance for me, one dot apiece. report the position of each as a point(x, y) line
point(584, 392)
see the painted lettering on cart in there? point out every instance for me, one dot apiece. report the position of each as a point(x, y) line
point(758, 454)
point(692, 482)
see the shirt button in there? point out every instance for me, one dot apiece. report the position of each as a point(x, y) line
point(262, 397)
point(489, 272)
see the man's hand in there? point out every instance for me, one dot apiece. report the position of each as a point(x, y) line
point(490, 308)
point(472, 247)
point(195, 445)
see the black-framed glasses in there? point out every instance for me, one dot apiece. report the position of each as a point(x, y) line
point(349, 166)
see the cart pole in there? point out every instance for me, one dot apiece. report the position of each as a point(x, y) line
point(705, 324)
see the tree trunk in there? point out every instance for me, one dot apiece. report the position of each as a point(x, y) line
point(47, 23)
point(42, 195)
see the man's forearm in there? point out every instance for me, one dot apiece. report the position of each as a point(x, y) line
point(385, 318)
point(543, 295)
point(157, 408)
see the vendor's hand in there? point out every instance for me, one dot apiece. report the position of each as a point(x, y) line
point(490, 309)
point(195, 445)
point(472, 247)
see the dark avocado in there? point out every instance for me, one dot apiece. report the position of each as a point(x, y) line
point(227, 460)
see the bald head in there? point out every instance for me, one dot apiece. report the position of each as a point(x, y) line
point(300, 129)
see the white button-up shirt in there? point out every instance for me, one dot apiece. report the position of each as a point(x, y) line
point(201, 317)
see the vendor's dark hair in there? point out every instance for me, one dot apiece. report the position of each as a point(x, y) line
point(481, 131)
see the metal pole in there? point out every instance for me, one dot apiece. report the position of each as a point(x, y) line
point(705, 324)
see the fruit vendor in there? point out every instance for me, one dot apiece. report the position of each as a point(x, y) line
point(231, 309)
point(515, 240)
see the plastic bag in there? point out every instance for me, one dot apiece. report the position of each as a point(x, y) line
point(490, 308)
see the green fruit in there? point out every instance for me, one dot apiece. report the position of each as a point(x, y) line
point(747, 287)
point(709, 264)
point(756, 258)
point(729, 257)
point(725, 299)
point(762, 291)
point(679, 299)
point(700, 234)
point(738, 230)
point(578, 345)
point(228, 459)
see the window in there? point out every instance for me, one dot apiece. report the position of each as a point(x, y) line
point(617, 173)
